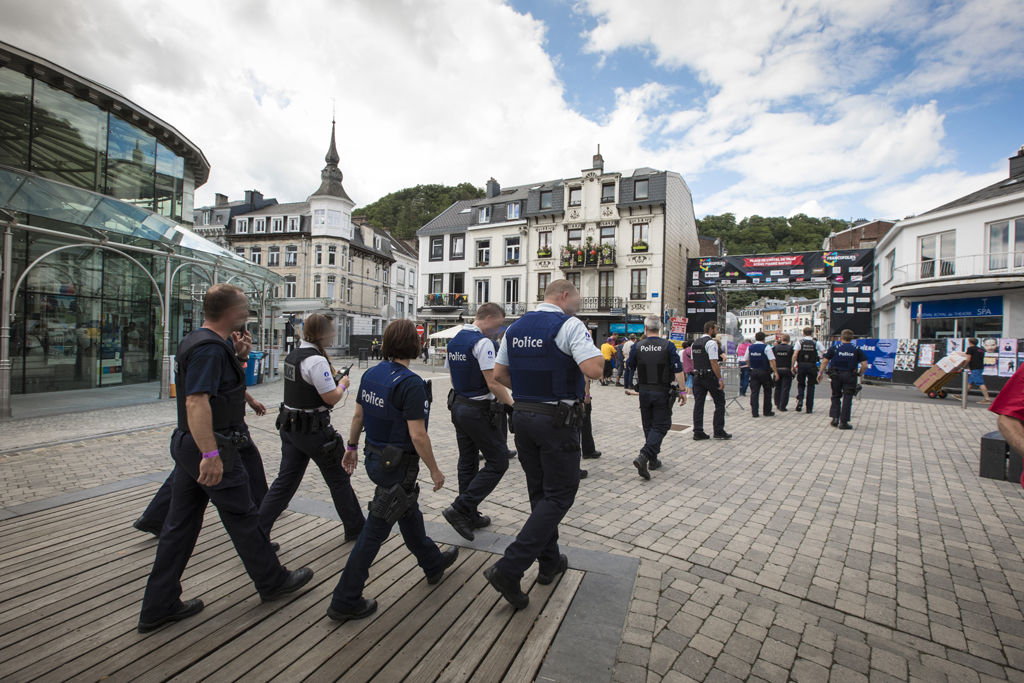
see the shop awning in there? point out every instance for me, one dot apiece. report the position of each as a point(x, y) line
point(447, 334)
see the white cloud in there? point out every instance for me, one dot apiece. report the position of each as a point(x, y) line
point(928, 192)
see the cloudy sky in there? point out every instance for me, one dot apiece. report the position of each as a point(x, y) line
point(866, 108)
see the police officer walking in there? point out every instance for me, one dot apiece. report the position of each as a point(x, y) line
point(393, 404)
point(808, 352)
point(707, 379)
point(761, 360)
point(477, 403)
point(784, 369)
point(211, 413)
point(544, 358)
point(657, 364)
point(843, 359)
point(304, 423)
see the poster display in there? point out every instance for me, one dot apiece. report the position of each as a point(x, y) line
point(847, 274)
point(678, 333)
point(991, 364)
point(926, 357)
point(881, 355)
point(1007, 365)
point(955, 344)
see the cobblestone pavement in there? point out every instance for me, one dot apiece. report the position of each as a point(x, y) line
point(793, 552)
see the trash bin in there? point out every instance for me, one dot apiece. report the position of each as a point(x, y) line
point(362, 358)
point(252, 368)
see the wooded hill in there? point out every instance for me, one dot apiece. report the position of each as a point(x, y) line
point(406, 211)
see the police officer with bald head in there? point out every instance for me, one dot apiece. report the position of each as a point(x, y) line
point(656, 363)
point(545, 359)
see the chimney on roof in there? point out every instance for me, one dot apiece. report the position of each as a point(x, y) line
point(1017, 163)
point(493, 188)
point(219, 199)
point(598, 160)
point(254, 197)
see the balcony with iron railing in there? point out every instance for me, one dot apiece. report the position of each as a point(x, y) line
point(510, 307)
point(445, 300)
point(958, 268)
point(599, 304)
point(587, 256)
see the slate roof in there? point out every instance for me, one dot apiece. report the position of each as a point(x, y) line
point(451, 219)
point(290, 209)
point(1004, 187)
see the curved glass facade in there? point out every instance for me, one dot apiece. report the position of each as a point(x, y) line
point(53, 134)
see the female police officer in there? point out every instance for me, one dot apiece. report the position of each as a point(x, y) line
point(306, 432)
point(393, 404)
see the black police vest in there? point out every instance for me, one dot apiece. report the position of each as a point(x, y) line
point(808, 354)
point(228, 406)
point(653, 364)
point(298, 393)
point(701, 361)
point(783, 356)
point(844, 358)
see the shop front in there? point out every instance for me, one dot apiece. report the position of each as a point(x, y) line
point(958, 318)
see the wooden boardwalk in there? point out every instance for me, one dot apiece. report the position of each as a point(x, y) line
point(73, 578)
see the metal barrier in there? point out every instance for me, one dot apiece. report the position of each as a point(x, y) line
point(731, 378)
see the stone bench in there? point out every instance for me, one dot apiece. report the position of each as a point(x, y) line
point(998, 460)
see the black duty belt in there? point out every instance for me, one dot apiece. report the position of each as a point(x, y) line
point(479, 403)
point(539, 408)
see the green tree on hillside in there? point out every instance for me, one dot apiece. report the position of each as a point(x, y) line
point(406, 211)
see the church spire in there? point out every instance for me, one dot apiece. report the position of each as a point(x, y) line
point(331, 176)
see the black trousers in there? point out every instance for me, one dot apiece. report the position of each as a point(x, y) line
point(782, 388)
point(587, 430)
point(701, 389)
point(296, 452)
point(761, 379)
point(843, 386)
point(475, 436)
point(806, 375)
point(550, 458)
point(158, 508)
point(237, 512)
point(656, 417)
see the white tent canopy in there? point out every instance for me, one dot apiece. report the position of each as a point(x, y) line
point(447, 334)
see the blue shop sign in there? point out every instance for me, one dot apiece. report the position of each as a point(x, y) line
point(617, 327)
point(958, 308)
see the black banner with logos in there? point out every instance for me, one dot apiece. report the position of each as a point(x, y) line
point(847, 274)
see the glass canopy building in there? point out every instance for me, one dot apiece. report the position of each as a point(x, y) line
point(98, 268)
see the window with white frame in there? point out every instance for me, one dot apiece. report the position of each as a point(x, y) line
point(206, 217)
point(290, 287)
point(483, 252)
point(376, 271)
point(346, 259)
point(412, 278)
point(333, 218)
point(376, 297)
point(436, 248)
point(318, 252)
point(242, 226)
point(348, 292)
point(277, 225)
point(261, 225)
point(939, 247)
point(512, 211)
point(483, 290)
point(256, 255)
point(436, 283)
point(332, 255)
point(484, 215)
point(240, 251)
point(316, 286)
point(293, 225)
point(400, 275)
point(1006, 244)
point(330, 287)
point(400, 308)
point(457, 248)
point(890, 265)
point(511, 250)
point(387, 274)
point(291, 255)
point(319, 217)
point(274, 256)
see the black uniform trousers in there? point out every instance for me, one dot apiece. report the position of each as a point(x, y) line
point(656, 417)
point(349, 591)
point(550, 458)
point(297, 449)
point(843, 385)
point(237, 512)
point(158, 508)
point(475, 436)
point(761, 379)
point(701, 389)
point(806, 375)
point(587, 430)
point(782, 387)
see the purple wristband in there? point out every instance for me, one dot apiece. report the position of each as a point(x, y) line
point(349, 449)
point(211, 454)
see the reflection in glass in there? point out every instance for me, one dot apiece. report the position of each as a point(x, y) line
point(69, 137)
point(15, 115)
point(170, 175)
point(131, 164)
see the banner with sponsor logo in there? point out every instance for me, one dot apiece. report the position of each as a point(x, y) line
point(846, 274)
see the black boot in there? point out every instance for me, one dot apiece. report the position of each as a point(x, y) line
point(835, 421)
point(799, 407)
point(641, 466)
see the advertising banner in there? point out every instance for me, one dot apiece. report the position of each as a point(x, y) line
point(881, 355)
point(846, 274)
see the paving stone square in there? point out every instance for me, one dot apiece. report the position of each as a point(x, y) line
point(792, 552)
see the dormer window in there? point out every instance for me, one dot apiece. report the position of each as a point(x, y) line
point(575, 196)
point(293, 225)
point(641, 189)
point(242, 226)
point(545, 199)
point(513, 211)
point(485, 214)
point(261, 225)
point(277, 225)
